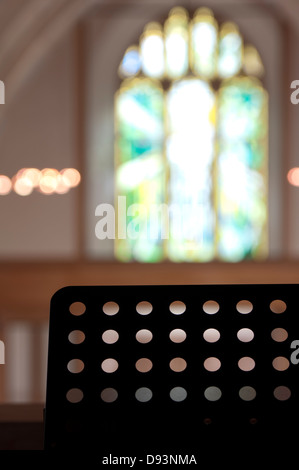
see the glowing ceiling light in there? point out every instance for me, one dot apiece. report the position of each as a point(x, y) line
point(49, 172)
point(71, 177)
point(61, 187)
point(293, 176)
point(33, 174)
point(5, 185)
point(22, 186)
point(46, 181)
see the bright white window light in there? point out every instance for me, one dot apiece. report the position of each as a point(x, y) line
point(152, 55)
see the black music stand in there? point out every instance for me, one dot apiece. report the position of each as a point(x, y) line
point(172, 370)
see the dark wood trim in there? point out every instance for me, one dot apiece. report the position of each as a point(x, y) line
point(2, 370)
point(21, 413)
point(26, 288)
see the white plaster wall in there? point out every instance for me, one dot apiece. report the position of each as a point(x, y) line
point(39, 131)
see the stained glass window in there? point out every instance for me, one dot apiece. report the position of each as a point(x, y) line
point(241, 191)
point(204, 43)
point(230, 51)
point(190, 152)
point(191, 144)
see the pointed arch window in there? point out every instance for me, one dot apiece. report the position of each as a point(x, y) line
point(191, 131)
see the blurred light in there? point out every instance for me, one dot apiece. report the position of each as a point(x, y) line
point(152, 51)
point(5, 185)
point(71, 177)
point(46, 181)
point(47, 184)
point(177, 54)
point(20, 173)
point(61, 187)
point(22, 186)
point(253, 64)
point(33, 174)
point(293, 176)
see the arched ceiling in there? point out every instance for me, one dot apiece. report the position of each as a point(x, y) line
point(28, 30)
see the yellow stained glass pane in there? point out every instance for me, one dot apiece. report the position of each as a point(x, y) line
point(204, 43)
point(176, 43)
point(252, 62)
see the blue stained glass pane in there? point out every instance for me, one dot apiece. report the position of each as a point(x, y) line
point(131, 63)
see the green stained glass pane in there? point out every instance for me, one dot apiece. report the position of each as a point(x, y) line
point(139, 119)
point(241, 170)
point(190, 151)
point(140, 174)
point(204, 43)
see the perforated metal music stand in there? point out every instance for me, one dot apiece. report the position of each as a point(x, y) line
point(169, 369)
